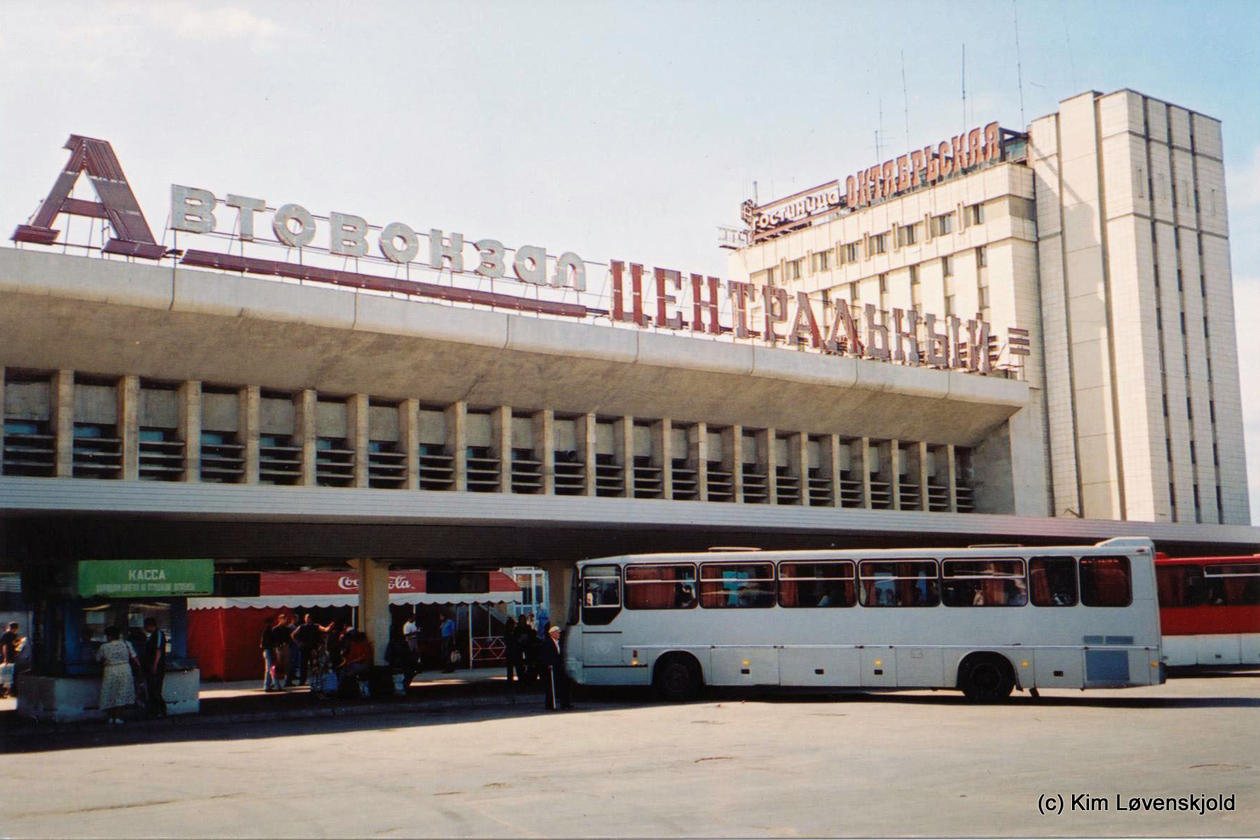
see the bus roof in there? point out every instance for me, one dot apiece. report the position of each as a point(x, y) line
point(1127, 545)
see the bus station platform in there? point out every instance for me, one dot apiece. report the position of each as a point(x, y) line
point(246, 702)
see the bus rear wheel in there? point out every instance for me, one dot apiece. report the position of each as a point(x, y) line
point(986, 678)
point(677, 678)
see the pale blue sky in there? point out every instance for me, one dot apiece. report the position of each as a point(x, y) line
point(617, 130)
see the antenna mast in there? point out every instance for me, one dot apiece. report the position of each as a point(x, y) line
point(1019, 68)
point(905, 97)
point(964, 85)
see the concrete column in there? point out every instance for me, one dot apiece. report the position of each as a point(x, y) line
point(924, 504)
point(662, 455)
point(767, 462)
point(733, 460)
point(357, 432)
point(951, 461)
point(623, 448)
point(559, 590)
point(830, 457)
point(304, 433)
point(584, 431)
point(501, 444)
point(62, 415)
point(248, 420)
point(545, 448)
point(409, 439)
point(190, 428)
point(864, 465)
point(798, 463)
point(698, 457)
point(1, 418)
point(457, 437)
point(891, 464)
point(128, 428)
point(374, 603)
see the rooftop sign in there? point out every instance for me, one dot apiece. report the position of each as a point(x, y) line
point(878, 183)
point(232, 233)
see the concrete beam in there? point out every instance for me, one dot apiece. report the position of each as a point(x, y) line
point(545, 448)
point(374, 604)
point(249, 421)
point(584, 431)
point(698, 457)
point(501, 444)
point(357, 435)
point(304, 409)
point(457, 439)
point(663, 455)
point(409, 439)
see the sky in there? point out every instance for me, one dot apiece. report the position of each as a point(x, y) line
point(617, 130)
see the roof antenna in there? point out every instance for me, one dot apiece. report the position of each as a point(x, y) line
point(964, 85)
point(879, 130)
point(1019, 69)
point(905, 98)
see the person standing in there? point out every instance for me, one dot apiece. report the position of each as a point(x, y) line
point(271, 678)
point(118, 688)
point(10, 644)
point(306, 635)
point(154, 667)
point(555, 681)
point(411, 633)
point(287, 661)
point(511, 652)
point(448, 644)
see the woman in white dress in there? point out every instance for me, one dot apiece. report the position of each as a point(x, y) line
point(118, 688)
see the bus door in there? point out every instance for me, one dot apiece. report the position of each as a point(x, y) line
point(1054, 595)
point(601, 603)
point(818, 594)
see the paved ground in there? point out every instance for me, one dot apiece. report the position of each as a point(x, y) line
point(733, 766)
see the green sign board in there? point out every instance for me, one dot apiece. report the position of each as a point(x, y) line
point(145, 578)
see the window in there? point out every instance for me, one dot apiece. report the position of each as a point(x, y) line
point(1053, 581)
point(899, 583)
point(983, 583)
point(942, 224)
point(975, 214)
point(850, 252)
point(878, 243)
point(1233, 585)
point(601, 594)
point(822, 261)
point(982, 257)
point(949, 305)
point(914, 275)
point(725, 585)
point(1180, 586)
point(792, 269)
point(907, 235)
point(853, 292)
point(665, 587)
point(1105, 582)
point(825, 584)
point(883, 284)
point(984, 297)
point(947, 266)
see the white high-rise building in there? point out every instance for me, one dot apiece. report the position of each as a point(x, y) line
point(1102, 231)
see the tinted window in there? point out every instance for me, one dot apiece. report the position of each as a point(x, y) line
point(661, 587)
point(736, 585)
point(826, 584)
point(1053, 581)
point(899, 583)
point(1105, 582)
point(1180, 586)
point(1234, 585)
point(983, 583)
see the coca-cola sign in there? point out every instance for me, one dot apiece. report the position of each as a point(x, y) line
point(397, 583)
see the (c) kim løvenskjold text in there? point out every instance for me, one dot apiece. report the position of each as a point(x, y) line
point(1200, 803)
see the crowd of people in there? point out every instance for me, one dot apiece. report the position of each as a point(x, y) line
point(133, 673)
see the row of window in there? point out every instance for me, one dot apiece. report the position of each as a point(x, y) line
point(1005, 582)
point(1227, 585)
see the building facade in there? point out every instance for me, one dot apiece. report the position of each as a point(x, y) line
point(1102, 233)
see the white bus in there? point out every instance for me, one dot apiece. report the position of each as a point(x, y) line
point(983, 620)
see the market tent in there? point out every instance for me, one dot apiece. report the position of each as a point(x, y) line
point(223, 633)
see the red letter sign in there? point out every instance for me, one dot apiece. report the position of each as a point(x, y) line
point(117, 202)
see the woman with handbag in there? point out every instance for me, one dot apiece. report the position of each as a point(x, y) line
point(118, 687)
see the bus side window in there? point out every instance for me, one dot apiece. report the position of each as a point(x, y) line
point(1235, 585)
point(1105, 582)
point(736, 585)
point(1180, 586)
point(660, 587)
point(983, 583)
point(1053, 581)
point(899, 583)
point(824, 584)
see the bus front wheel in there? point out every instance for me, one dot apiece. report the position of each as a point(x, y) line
point(677, 678)
point(986, 678)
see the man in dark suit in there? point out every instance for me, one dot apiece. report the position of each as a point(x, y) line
point(555, 682)
point(154, 662)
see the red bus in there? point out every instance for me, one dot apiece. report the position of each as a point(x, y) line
point(1209, 610)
